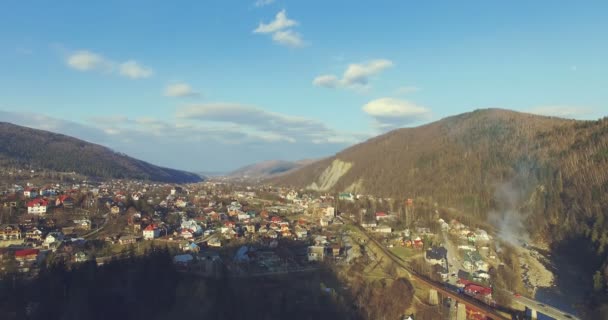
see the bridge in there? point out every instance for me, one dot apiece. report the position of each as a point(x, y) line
point(536, 307)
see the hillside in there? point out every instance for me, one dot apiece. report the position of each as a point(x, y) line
point(267, 169)
point(26, 147)
point(552, 171)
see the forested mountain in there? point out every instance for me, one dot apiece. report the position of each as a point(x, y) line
point(26, 147)
point(267, 169)
point(551, 171)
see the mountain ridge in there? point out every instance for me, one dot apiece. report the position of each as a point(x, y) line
point(553, 172)
point(24, 146)
point(268, 169)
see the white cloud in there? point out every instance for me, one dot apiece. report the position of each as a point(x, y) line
point(261, 3)
point(263, 122)
point(180, 89)
point(288, 38)
point(406, 90)
point(132, 69)
point(356, 75)
point(279, 28)
point(327, 81)
point(85, 61)
point(389, 113)
point(570, 112)
point(280, 22)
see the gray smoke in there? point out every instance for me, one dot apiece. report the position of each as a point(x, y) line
point(510, 216)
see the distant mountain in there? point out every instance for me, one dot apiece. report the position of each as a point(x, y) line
point(22, 146)
point(547, 175)
point(268, 169)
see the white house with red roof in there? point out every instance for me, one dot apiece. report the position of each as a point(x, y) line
point(151, 232)
point(381, 216)
point(37, 206)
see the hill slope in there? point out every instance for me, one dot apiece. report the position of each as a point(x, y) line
point(267, 169)
point(553, 171)
point(22, 146)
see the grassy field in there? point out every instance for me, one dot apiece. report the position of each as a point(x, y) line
point(405, 253)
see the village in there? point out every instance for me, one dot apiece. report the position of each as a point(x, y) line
point(218, 229)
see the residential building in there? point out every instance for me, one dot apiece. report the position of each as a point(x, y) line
point(436, 255)
point(53, 237)
point(151, 232)
point(10, 232)
point(316, 253)
point(37, 206)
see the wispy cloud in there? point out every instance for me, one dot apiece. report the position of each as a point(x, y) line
point(134, 70)
point(84, 60)
point(280, 30)
point(390, 113)
point(261, 3)
point(280, 22)
point(180, 90)
point(281, 126)
point(288, 38)
point(356, 75)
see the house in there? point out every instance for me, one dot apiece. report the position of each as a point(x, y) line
point(82, 224)
point(369, 224)
point(30, 193)
point(301, 232)
point(316, 253)
point(383, 229)
point(26, 254)
point(330, 212)
point(190, 247)
point(272, 234)
point(472, 237)
point(10, 232)
point(53, 237)
point(80, 256)
point(418, 243)
point(64, 200)
point(115, 209)
point(335, 249)
point(127, 239)
point(323, 222)
point(346, 196)
point(181, 203)
point(381, 216)
point(37, 206)
point(477, 290)
point(151, 232)
point(250, 228)
point(436, 255)
point(214, 242)
point(187, 234)
point(33, 234)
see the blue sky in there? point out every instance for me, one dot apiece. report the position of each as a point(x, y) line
point(213, 85)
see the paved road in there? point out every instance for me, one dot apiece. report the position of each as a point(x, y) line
point(544, 308)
